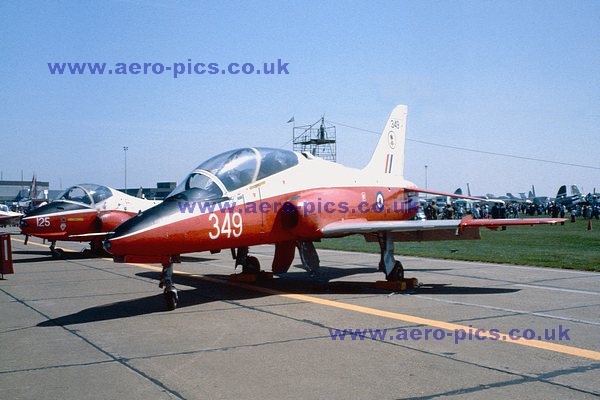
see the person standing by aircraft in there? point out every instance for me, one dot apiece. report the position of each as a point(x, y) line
point(555, 210)
point(495, 211)
point(476, 212)
point(431, 211)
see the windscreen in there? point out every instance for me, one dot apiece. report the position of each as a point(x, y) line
point(86, 193)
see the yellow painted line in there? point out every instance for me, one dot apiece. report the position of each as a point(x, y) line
point(29, 242)
point(535, 343)
point(46, 246)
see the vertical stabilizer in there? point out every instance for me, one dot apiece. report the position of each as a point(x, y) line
point(388, 158)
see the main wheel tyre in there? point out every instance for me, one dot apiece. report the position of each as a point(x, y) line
point(252, 266)
point(397, 273)
point(57, 253)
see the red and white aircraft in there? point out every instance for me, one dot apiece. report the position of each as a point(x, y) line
point(254, 196)
point(8, 217)
point(82, 213)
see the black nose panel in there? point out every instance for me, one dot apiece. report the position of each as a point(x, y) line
point(55, 207)
point(148, 218)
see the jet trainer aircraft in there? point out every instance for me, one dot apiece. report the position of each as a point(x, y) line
point(253, 196)
point(8, 217)
point(82, 213)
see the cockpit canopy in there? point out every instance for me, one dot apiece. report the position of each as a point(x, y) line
point(232, 170)
point(86, 193)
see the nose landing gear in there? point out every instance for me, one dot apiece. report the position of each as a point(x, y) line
point(166, 282)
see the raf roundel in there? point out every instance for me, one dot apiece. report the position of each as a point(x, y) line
point(379, 201)
point(392, 139)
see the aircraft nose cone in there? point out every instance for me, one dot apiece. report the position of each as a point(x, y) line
point(139, 236)
point(118, 242)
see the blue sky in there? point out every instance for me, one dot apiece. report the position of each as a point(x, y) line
point(511, 77)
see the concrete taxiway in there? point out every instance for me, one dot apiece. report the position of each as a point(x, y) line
point(83, 328)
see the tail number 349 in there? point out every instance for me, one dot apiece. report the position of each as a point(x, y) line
point(232, 225)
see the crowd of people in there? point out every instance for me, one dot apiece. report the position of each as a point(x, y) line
point(512, 210)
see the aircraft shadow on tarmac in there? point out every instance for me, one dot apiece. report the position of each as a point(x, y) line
point(206, 292)
point(32, 252)
point(195, 259)
point(69, 255)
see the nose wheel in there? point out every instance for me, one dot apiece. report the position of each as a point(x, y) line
point(166, 282)
point(171, 297)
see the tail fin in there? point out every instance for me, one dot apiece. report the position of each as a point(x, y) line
point(388, 157)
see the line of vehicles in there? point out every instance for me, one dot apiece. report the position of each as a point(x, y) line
point(138, 230)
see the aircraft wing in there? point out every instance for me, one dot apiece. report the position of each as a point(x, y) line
point(10, 218)
point(352, 226)
point(457, 196)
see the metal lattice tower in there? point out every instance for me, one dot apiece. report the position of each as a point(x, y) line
point(317, 139)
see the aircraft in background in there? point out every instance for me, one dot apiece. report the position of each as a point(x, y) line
point(531, 197)
point(569, 196)
point(535, 199)
point(34, 197)
point(82, 213)
point(509, 197)
point(7, 217)
point(274, 196)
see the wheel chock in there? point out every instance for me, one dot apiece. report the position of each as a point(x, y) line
point(261, 276)
point(265, 275)
point(243, 277)
point(400, 285)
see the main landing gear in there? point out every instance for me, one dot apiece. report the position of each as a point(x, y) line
point(250, 266)
point(56, 252)
point(393, 269)
point(96, 250)
point(309, 256)
point(166, 283)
